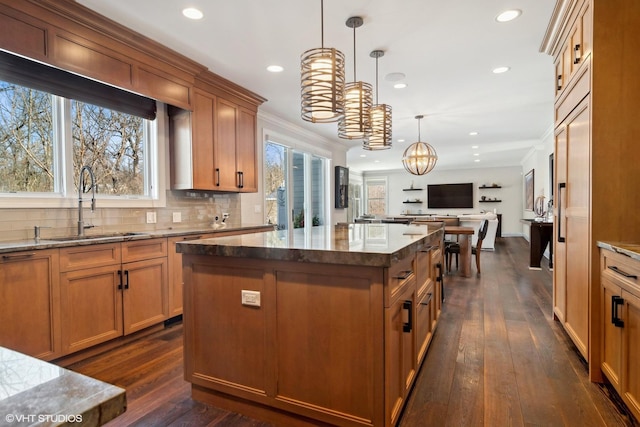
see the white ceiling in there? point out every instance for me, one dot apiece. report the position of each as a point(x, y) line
point(446, 49)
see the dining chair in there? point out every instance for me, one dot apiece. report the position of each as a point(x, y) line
point(453, 248)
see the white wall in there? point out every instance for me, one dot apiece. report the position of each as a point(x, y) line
point(538, 161)
point(252, 204)
point(509, 178)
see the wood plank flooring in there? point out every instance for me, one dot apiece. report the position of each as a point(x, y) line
point(497, 359)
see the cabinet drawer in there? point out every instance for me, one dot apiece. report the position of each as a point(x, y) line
point(621, 269)
point(138, 250)
point(399, 275)
point(89, 256)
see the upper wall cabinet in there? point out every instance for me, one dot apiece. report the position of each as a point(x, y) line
point(214, 147)
point(71, 37)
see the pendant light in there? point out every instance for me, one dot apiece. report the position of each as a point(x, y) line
point(358, 98)
point(322, 81)
point(379, 118)
point(420, 157)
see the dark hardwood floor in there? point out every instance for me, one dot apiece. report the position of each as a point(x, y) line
point(497, 359)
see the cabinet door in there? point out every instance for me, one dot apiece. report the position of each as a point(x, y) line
point(246, 159)
point(203, 123)
point(226, 140)
point(559, 226)
point(611, 334)
point(424, 318)
point(91, 307)
point(30, 301)
point(145, 293)
point(400, 350)
point(631, 352)
point(576, 215)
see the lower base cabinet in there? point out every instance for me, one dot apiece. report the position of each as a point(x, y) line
point(110, 290)
point(30, 303)
point(620, 313)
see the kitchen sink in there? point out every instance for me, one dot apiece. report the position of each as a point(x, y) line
point(96, 236)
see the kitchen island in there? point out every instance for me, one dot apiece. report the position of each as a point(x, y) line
point(323, 327)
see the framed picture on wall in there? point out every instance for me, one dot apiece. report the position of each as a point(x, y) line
point(528, 191)
point(342, 187)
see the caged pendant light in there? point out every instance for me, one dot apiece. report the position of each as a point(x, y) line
point(379, 137)
point(420, 157)
point(358, 98)
point(322, 81)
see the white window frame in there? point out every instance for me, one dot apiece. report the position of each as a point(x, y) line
point(64, 194)
point(365, 196)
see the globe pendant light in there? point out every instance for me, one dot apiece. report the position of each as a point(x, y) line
point(379, 137)
point(322, 82)
point(358, 98)
point(420, 157)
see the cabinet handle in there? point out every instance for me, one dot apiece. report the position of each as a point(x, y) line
point(623, 273)
point(120, 280)
point(430, 295)
point(403, 274)
point(559, 84)
point(18, 256)
point(577, 54)
point(126, 276)
point(615, 302)
point(217, 177)
point(561, 185)
point(408, 305)
point(440, 279)
point(240, 179)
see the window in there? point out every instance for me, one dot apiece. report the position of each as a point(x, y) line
point(295, 187)
point(376, 193)
point(41, 132)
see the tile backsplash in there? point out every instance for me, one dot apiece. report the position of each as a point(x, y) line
point(197, 210)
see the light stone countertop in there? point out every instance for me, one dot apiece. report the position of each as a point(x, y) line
point(378, 245)
point(38, 393)
point(92, 239)
point(631, 250)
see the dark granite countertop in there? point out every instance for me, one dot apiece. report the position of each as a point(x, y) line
point(92, 239)
point(38, 393)
point(378, 245)
point(631, 250)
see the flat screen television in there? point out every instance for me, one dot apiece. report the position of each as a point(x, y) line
point(441, 196)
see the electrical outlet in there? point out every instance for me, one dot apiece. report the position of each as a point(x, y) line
point(225, 215)
point(257, 208)
point(177, 217)
point(251, 298)
point(151, 217)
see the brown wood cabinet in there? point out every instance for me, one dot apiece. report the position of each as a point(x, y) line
point(110, 290)
point(30, 301)
point(620, 308)
point(596, 125)
point(214, 147)
point(337, 344)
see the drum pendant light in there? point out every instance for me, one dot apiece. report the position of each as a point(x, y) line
point(379, 119)
point(358, 98)
point(322, 81)
point(420, 157)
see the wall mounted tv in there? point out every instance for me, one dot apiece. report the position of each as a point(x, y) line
point(441, 196)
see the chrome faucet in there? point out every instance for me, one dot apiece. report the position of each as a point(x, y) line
point(81, 186)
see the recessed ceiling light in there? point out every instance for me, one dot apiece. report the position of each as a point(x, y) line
point(192, 13)
point(508, 15)
point(275, 68)
point(477, 160)
point(400, 85)
point(376, 161)
point(476, 154)
point(474, 133)
point(363, 155)
point(474, 146)
point(500, 70)
point(394, 77)
point(401, 140)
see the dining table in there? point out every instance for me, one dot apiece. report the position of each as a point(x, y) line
point(464, 240)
